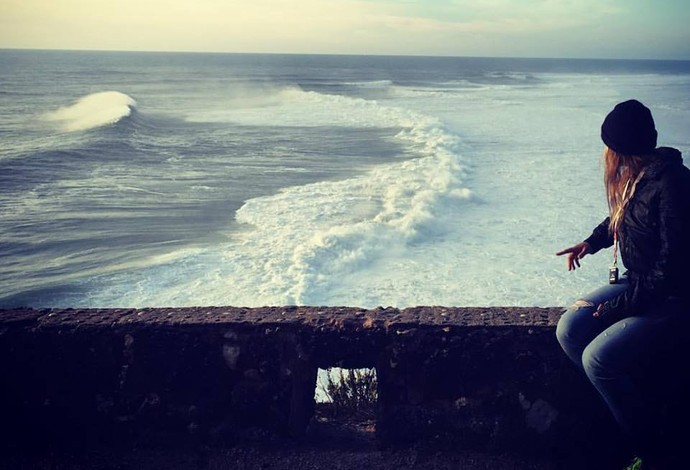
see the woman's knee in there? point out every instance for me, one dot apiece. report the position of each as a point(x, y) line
point(606, 358)
point(563, 329)
point(593, 363)
point(575, 325)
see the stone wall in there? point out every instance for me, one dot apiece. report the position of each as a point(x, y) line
point(468, 378)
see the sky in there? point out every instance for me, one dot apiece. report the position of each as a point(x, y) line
point(625, 29)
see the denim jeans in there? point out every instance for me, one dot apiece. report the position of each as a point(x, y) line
point(617, 355)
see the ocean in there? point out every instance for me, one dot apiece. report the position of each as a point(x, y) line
point(177, 179)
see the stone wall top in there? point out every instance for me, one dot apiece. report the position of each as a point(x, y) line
point(322, 318)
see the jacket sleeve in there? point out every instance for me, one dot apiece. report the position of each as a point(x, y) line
point(665, 275)
point(600, 237)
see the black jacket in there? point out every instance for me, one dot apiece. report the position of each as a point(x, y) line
point(654, 238)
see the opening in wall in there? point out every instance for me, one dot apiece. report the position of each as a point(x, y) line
point(347, 392)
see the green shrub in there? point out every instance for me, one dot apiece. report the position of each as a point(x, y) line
point(351, 391)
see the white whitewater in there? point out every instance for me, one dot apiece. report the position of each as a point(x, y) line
point(94, 110)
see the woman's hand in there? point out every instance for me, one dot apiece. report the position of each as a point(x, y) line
point(575, 254)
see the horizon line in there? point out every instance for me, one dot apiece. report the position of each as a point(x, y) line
point(345, 54)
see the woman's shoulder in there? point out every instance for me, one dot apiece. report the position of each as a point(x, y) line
point(666, 175)
point(673, 180)
point(668, 165)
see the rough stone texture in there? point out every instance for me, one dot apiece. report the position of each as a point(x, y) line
point(489, 379)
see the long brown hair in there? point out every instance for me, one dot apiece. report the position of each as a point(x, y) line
point(620, 171)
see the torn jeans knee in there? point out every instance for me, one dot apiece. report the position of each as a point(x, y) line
point(582, 303)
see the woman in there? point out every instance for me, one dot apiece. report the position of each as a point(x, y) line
point(637, 323)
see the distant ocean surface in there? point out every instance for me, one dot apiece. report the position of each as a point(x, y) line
point(171, 179)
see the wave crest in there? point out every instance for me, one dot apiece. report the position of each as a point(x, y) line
point(94, 110)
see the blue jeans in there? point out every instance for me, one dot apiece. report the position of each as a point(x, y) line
point(617, 355)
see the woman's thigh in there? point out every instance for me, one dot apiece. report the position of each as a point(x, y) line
point(631, 343)
point(577, 326)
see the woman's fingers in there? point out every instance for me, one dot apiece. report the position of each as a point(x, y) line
point(572, 257)
point(567, 250)
point(575, 253)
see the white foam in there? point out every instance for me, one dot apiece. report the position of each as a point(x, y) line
point(305, 238)
point(419, 92)
point(94, 110)
point(371, 84)
point(291, 106)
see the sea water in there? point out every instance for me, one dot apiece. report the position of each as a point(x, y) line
point(165, 179)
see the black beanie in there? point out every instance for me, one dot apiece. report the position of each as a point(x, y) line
point(629, 129)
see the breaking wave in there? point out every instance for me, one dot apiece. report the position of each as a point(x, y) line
point(92, 111)
point(306, 238)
